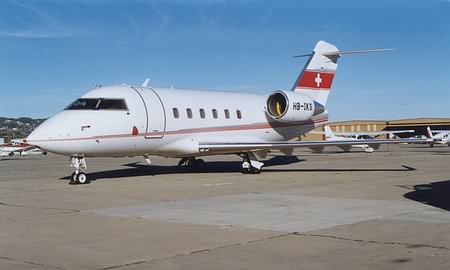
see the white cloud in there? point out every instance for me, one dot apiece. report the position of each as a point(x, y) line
point(32, 34)
point(39, 24)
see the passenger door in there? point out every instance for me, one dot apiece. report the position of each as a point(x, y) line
point(156, 117)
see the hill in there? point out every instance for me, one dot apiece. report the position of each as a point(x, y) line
point(15, 128)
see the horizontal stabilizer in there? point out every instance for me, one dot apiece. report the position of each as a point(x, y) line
point(340, 53)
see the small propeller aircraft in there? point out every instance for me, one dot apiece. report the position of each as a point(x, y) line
point(355, 135)
point(126, 120)
point(19, 148)
point(437, 136)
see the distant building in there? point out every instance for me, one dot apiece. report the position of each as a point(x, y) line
point(418, 124)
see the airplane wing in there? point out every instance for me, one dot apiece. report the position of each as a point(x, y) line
point(371, 133)
point(22, 149)
point(249, 146)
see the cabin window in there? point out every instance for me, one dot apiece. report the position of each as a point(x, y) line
point(227, 113)
point(202, 113)
point(238, 114)
point(176, 114)
point(189, 113)
point(214, 113)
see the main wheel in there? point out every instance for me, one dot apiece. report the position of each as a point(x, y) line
point(73, 179)
point(82, 178)
point(182, 162)
point(199, 163)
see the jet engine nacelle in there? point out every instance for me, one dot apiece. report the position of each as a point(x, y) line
point(292, 107)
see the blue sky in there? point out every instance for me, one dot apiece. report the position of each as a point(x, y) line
point(51, 51)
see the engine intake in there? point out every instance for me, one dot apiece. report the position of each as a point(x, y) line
point(292, 107)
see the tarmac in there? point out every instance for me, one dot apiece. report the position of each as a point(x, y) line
point(383, 210)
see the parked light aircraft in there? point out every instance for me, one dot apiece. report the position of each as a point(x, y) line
point(343, 136)
point(18, 148)
point(144, 121)
point(438, 136)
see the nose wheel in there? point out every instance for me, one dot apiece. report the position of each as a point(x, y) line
point(78, 177)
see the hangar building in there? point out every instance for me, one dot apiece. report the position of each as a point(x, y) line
point(418, 124)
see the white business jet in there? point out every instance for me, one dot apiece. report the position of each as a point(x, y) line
point(344, 136)
point(144, 121)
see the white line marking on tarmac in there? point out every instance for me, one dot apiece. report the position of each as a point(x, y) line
point(217, 184)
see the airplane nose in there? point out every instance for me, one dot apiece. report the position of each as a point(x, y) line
point(54, 134)
point(43, 134)
point(36, 137)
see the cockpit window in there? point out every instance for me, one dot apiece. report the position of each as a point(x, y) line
point(112, 104)
point(84, 104)
point(98, 104)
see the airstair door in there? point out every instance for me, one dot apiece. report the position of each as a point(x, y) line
point(156, 117)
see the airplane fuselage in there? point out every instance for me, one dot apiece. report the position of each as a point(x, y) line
point(167, 122)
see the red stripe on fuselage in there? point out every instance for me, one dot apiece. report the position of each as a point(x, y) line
point(313, 79)
point(197, 130)
point(21, 145)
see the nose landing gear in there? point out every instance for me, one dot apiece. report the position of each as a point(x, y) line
point(79, 176)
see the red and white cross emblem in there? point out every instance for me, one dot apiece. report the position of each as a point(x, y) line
point(318, 80)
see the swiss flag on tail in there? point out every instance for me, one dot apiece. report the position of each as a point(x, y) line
point(315, 80)
point(317, 76)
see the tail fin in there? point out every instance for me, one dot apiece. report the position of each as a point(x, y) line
point(329, 134)
point(317, 76)
point(429, 133)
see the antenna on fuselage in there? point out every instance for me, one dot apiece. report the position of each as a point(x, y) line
point(146, 83)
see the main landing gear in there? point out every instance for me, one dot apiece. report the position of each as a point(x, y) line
point(192, 163)
point(79, 176)
point(250, 164)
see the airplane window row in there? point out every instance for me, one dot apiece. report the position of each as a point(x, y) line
point(98, 104)
point(202, 113)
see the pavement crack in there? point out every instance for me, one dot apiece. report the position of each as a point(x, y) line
point(64, 210)
point(391, 243)
point(196, 251)
point(45, 266)
point(271, 237)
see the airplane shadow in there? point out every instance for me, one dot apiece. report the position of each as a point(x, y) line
point(436, 194)
point(142, 169)
point(431, 151)
point(404, 168)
